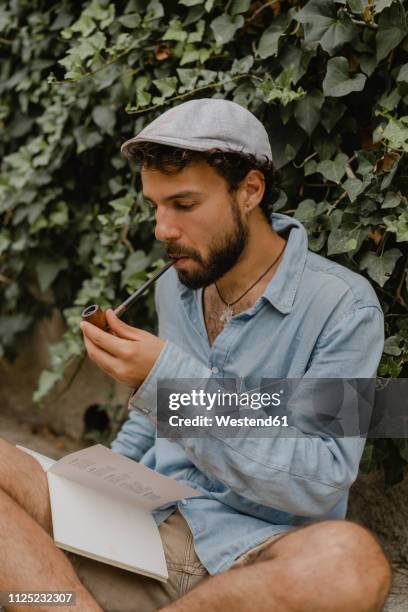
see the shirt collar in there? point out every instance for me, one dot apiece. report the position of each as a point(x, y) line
point(281, 290)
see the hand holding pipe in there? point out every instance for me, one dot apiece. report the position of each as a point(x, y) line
point(95, 315)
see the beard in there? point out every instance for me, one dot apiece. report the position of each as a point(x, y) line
point(223, 254)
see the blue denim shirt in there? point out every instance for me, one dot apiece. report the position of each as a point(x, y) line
point(316, 319)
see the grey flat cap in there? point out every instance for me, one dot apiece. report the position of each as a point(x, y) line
point(205, 124)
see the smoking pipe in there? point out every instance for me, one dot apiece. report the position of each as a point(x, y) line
point(95, 315)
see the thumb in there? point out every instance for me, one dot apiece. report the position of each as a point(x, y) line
point(120, 328)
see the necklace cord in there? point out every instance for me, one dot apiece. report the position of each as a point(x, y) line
point(253, 285)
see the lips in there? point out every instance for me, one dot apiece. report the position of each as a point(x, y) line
point(179, 261)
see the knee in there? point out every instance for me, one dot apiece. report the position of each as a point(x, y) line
point(359, 561)
point(346, 560)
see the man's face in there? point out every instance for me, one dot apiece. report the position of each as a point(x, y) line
point(198, 220)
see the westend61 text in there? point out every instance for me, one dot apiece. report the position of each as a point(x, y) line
point(207, 400)
point(227, 421)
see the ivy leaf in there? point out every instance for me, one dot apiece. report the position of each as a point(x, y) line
point(337, 82)
point(86, 138)
point(368, 64)
point(104, 117)
point(392, 346)
point(10, 325)
point(131, 20)
point(357, 6)
point(206, 76)
point(332, 112)
point(224, 27)
point(307, 111)
point(333, 170)
point(391, 200)
point(280, 89)
point(403, 74)
point(188, 78)
point(310, 167)
point(306, 211)
point(281, 201)
point(395, 132)
point(244, 94)
point(295, 58)
point(240, 6)
point(380, 5)
point(390, 99)
point(166, 86)
point(323, 23)
point(47, 381)
point(85, 25)
point(48, 270)
point(398, 225)
point(269, 41)
point(243, 65)
point(60, 215)
point(392, 28)
point(136, 262)
point(317, 241)
point(380, 267)
point(154, 10)
point(122, 207)
point(282, 136)
point(197, 36)
point(353, 187)
point(319, 12)
point(175, 31)
point(4, 240)
point(106, 77)
point(340, 241)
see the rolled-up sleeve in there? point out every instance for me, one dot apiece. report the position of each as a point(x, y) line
point(136, 436)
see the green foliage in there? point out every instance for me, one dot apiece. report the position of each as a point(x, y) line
point(328, 79)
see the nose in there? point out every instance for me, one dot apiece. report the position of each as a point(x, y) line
point(166, 229)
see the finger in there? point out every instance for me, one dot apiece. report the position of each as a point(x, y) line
point(122, 329)
point(115, 346)
point(103, 360)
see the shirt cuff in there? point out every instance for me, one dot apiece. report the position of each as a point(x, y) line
point(172, 363)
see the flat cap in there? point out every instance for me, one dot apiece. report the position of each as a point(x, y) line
point(207, 123)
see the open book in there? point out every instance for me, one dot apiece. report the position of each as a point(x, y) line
point(101, 504)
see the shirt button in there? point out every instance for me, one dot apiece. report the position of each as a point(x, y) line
point(184, 502)
point(215, 370)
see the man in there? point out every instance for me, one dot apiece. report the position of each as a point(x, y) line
point(245, 300)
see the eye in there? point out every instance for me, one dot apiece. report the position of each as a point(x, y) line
point(183, 206)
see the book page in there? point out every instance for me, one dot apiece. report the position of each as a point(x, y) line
point(105, 528)
point(109, 472)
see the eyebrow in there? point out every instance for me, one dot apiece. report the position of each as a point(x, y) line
point(178, 195)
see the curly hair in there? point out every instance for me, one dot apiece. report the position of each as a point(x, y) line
point(232, 166)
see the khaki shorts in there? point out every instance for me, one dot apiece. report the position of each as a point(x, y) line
point(118, 590)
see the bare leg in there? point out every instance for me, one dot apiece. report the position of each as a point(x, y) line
point(29, 559)
point(330, 566)
point(24, 480)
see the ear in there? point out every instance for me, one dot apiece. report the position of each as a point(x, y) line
point(251, 190)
